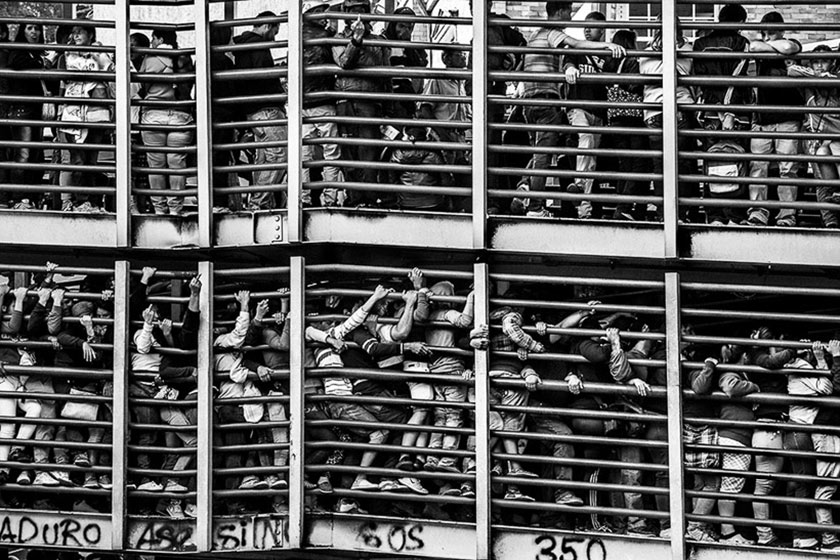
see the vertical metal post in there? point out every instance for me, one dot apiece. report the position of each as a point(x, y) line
point(479, 125)
point(204, 123)
point(295, 124)
point(204, 447)
point(119, 405)
point(483, 505)
point(296, 374)
point(122, 122)
point(675, 415)
point(670, 149)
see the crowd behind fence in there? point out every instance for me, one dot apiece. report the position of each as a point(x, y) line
point(574, 124)
point(577, 369)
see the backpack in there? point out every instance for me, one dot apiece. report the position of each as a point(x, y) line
point(718, 165)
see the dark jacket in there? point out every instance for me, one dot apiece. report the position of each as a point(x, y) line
point(417, 157)
point(724, 41)
point(26, 60)
point(258, 57)
point(350, 56)
point(771, 382)
point(314, 55)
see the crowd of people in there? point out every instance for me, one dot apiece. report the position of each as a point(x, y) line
point(366, 65)
point(390, 405)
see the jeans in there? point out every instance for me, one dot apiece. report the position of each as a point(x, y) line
point(586, 141)
point(363, 153)
point(657, 431)
point(830, 470)
point(180, 416)
point(329, 152)
point(630, 163)
point(541, 115)
point(274, 156)
point(75, 177)
point(787, 170)
point(800, 441)
point(827, 172)
point(551, 425)
point(169, 138)
point(766, 439)
point(685, 166)
point(448, 417)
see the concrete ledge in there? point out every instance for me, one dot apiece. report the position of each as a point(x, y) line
point(777, 246)
point(259, 228)
point(164, 232)
point(388, 227)
point(595, 238)
point(63, 229)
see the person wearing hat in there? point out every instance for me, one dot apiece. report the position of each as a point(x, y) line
point(356, 53)
point(315, 55)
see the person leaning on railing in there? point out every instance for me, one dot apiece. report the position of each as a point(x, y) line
point(168, 123)
point(24, 134)
point(73, 116)
point(259, 57)
point(356, 53)
point(827, 123)
point(11, 302)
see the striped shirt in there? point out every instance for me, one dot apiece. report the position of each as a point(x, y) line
point(327, 357)
point(544, 62)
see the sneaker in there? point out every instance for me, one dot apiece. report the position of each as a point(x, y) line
point(81, 461)
point(414, 485)
point(18, 455)
point(90, 482)
point(172, 486)
point(84, 507)
point(364, 485)
point(348, 505)
point(431, 464)
point(24, 478)
point(831, 545)
point(716, 223)
point(105, 482)
point(221, 210)
point(44, 479)
point(573, 188)
point(275, 482)
point(444, 466)
point(191, 511)
point(280, 507)
point(449, 490)
point(568, 499)
point(467, 490)
point(150, 486)
point(806, 544)
point(513, 494)
point(67, 206)
point(522, 473)
point(88, 208)
point(755, 220)
point(624, 216)
point(641, 531)
point(24, 205)
point(773, 542)
point(542, 213)
point(61, 477)
point(736, 539)
point(170, 508)
point(253, 483)
point(405, 464)
point(129, 486)
point(666, 533)
point(324, 485)
point(786, 222)
point(518, 205)
point(699, 535)
point(391, 486)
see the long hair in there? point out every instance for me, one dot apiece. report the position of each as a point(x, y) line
point(20, 36)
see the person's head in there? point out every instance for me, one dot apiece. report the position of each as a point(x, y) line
point(415, 133)
point(82, 35)
point(732, 13)
point(594, 33)
point(312, 7)
point(561, 11)
point(355, 6)
point(30, 33)
point(626, 38)
point(822, 64)
point(63, 34)
point(772, 34)
point(164, 37)
point(401, 30)
point(686, 330)
point(454, 59)
point(656, 42)
point(101, 312)
point(267, 30)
